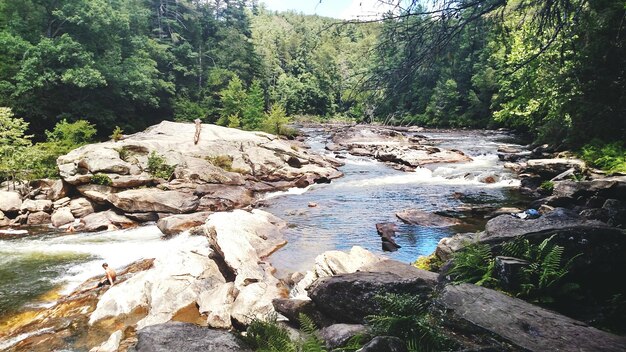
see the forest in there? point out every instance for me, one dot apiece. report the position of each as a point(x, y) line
point(75, 71)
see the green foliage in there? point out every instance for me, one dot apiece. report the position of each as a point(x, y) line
point(101, 179)
point(268, 336)
point(233, 99)
point(275, 120)
point(547, 186)
point(474, 264)
point(406, 316)
point(14, 144)
point(541, 280)
point(254, 107)
point(609, 157)
point(222, 161)
point(157, 166)
point(117, 134)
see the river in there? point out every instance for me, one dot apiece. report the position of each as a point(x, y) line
point(34, 270)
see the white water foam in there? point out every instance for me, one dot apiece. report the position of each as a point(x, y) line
point(117, 248)
point(290, 191)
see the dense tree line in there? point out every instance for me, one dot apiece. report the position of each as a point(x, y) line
point(553, 68)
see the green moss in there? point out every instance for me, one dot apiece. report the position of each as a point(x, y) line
point(547, 186)
point(430, 262)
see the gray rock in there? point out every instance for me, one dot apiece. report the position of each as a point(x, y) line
point(175, 336)
point(144, 217)
point(526, 327)
point(96, 193)
point(422, 218)
point(154, 200)
point(105, 220)
point(62, 216)
point(34, 206)
point(507, 271)
point(385, 344)
point(175, 224)
point(338, 335)
point(38, 218)
point(349, 298)
point(291, 308)
point(60, 203)
point(81, 207)
point(548, 168)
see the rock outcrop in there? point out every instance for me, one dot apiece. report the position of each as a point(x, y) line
point(177, 336)
point(471, 310)
point(388, 145)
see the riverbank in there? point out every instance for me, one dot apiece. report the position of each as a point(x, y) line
point(231, 266)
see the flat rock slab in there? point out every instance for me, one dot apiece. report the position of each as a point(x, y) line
point(471, 308)
point(175, 336)
point(154, 200)
point(423, 218)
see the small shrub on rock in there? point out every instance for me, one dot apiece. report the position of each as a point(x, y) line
point(101, 179)
point(157, 166)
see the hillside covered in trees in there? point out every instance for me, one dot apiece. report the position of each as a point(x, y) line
point(552, 69)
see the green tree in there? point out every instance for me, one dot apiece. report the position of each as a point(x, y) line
point(275, 120)
point(233, 99)
point(253, 107)
point(13, 144)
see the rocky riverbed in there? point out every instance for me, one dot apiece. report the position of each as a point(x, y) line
point(223, 274)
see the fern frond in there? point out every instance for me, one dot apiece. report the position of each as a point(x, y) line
point(311, 343)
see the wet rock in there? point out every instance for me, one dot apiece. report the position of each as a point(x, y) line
point(144, 217)
point(292, 308)
point(175, 224)
point(175, 336)
point(422, 218)
point(471, 309)
point(4, 221)
point(385, 344)
point(81, 207)
point(154, 200)
point(387, 231)
point(38, 218)
point(105, 220)
point(62, 216)
point(614, 187)
point(349, 298)
point(338, 335)
point(34, 206)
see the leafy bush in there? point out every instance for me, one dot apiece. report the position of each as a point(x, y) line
point(609, 157)
point(101, 179)
point(473, 264)
point(275, 120)
point(407, 317)
point(117, 134)
point(430, 262)
point(222, 161)
point(157, 166)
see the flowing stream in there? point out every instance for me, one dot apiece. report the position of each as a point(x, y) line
point(34, 270)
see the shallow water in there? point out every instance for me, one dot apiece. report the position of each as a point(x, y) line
point(372, 192)
point(347, 211)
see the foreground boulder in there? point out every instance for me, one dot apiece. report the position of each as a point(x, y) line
point(154, 200)
point(176, 336)
point(174, 224)
point(471, 309)
point(349, 298)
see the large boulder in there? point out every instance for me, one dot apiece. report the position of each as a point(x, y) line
point(338, 335)
point(10, 201)
point(242, 240)
point(548, 168)
point(174, 283)
point(97, 193)
point(175, 336)
point(220, 156)
point(174, 224)
point(349, 298)
point(471, 310)
point(38, 218)
point(57, 190)
point(291, 308)
point(154, 200)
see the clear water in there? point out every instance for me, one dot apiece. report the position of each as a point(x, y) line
point(347, 212)
point(371, 192)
